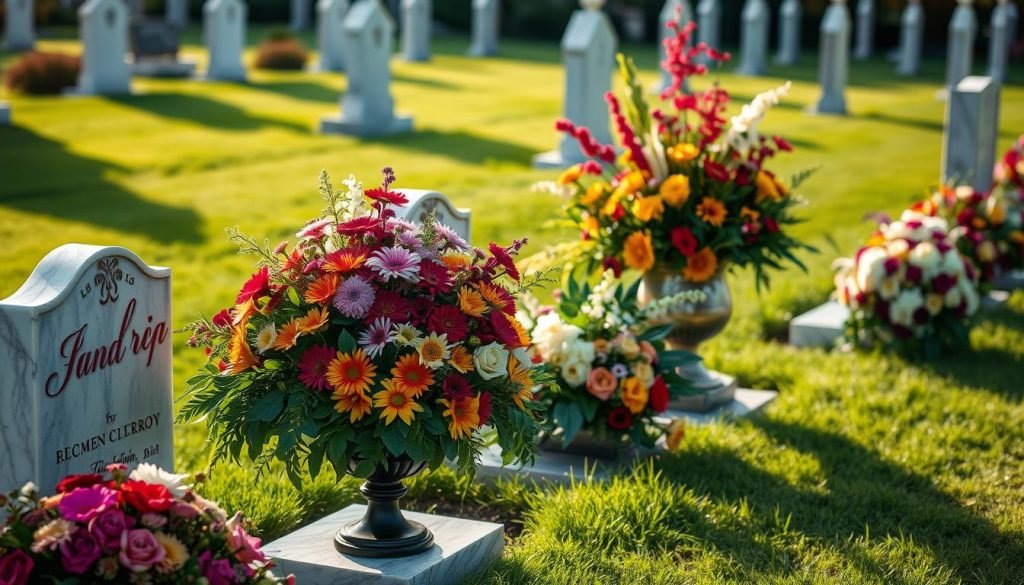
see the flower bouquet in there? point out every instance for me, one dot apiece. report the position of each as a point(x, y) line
point(909, 288)
point(146, 527)
point(374, 345)
point(613, 373)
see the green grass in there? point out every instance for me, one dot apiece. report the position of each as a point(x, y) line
point(868, 469)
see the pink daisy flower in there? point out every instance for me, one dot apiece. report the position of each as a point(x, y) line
point(395, 263)
point(436, 277)
point(376, 337)
point(354, 298)
point(451, 238)
point(313, 367)
point(315, 229)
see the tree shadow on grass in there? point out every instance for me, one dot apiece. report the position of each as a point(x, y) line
point(301, 90)
point(202, 111)
point(41, 177)
point(863, 494)
point(461, 146)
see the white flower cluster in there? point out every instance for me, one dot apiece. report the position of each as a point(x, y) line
point(562, 346)
point(602, 306)
point(659, 308)
point(743, 136)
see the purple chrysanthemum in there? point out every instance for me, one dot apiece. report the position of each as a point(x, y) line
point(451, 238)
point(409, 240)
point(397, 224)
point(354, 298)
point(395, 263)
point(376, 337)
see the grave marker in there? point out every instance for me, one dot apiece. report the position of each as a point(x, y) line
point(999, 42)
point(422, 203)
point(667, 15)
point(834, 59)
point(418, 19)
point(19, 25)
point(709, 25)
point(86, 348)
point(104, 33)
point(329, 25)
point(911, 38)
point(154, 47)
point(865, 29)
point(790, 19)
point(969, 138)
point(588, 51)
point(756, 18)
point(486, 25)
point(300, 15)
point(367, 108)
point(176, 13)
point(962, 29)
point(224, 31)
point(5, 114)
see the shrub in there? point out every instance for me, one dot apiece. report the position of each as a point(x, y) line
point(281, 53)
point(38, 73)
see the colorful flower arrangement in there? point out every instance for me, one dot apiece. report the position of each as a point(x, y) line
point(690, 191)
point(613, 375)
point(371, 339)
point(114, 527)
point(909, 287)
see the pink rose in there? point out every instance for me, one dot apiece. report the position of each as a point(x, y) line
point(84, 504)
point(139, 550)
point(108, 527)
point(602, 383)
point(217, 572)
point(247, 548)
point(15, 568)
point(78, 553)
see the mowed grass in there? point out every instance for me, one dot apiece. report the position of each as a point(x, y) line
point(868, 469)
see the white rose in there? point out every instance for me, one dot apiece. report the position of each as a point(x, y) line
point(935, 224)
point(150, 473)
point(578, 350)
point(926, 257)
point(551, 333)
point(897, 230)
point(575, 373)
point(889, 289)
point(491, 361)
point(898, 249)
point(870, 269)
point(901, 312)
point(644, 372)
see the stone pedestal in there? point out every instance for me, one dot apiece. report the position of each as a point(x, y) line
point(819, 327)
point(224, 32)
point(960, 57)
point(865, 29)
point(790, 18)
point(834, 59)
point(709, 25)
point(911, 38)
point(19, 25)
point(999, 41)
point(104, 33)
point(462, 549)
point(416, 30)
point(756, 18)
point(5, 114)
point(969, 138)
point(745, 403)
point(486, 26)
point(176, 13)
point(162, 68)
point(300, 15)
point(330, 17)
point(668, 14)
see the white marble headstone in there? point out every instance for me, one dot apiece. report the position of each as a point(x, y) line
point(176, 13)
point(486, 27)
point(790, 19)
point(911, 38)
point(865, 29)
point(972, 126)
point(834, 59)
point(963, 27)
point(999, 42)
point(19, 25)
point(367, 108)
point(709, 25)
point(104, 33)
point(423, 202)
point(755, 21)
point(329, 25)
point(669, 12)
point(224, 32)
point(300, 15)
point(86, 348)
point(417, 19)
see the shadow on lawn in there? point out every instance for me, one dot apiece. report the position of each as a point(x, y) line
point(302, 90)
point(80, 190)
point(461, 146)
point(865, 494)
point(203, 111)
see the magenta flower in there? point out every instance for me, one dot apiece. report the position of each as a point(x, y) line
point(79, 552)
point(313, 366)
point(108, 527)
point(217, 571)
point(354, 298)
point(15, 568)
point(247, 548)
point(139, 550)
point(376, 337)
point(452, 239)
point(84, 504)
point(395, 263)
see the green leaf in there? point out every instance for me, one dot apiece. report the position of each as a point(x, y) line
point(588, 407)
point(655, 333)
point(268, 407)
point(293, 296)
point(569, 417)
point(670, 360)
point(393, 439)
point(346, 342)
point(364, 469)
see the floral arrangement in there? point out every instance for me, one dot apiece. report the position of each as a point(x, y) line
point(690, 191)
point(909, 287)
point(1009, 171)
point(114, 527)
point(370, 339)
point(613, 375)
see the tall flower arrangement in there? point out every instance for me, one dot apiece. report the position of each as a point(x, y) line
point(692, 189)
point(369, 339)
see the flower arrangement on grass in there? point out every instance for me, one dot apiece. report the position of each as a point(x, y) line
point(909, 287)
point(690, 191)
point(613, 374)
point(371, 339)
point(114, 527)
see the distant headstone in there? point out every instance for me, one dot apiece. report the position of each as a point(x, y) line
point(588, 51)
point(330, 18)
point(422, 203)
point(367, 108)
point(224, 31)
point(709, 25)
point(1013, 22)
point(154, 45)
point(177, 13)
point(104, 32)
point(756, 18)
point(999, 43)
point(86, 348)
point(300, 15)
point(962, 29)
point(865, 29)
point(5, 114)
point(820, 327)
point(486, 26)
point(669, 13)
point(834, 59)
point(790, 19)
point(19, 25)
point(972, 126)
point(911, 38)
point(418, 19)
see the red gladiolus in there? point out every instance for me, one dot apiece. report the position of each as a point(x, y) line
point(716, 172)
point(771, 225)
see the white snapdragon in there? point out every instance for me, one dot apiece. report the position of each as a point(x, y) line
point(743, 135)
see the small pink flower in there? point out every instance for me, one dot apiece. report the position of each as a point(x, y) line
point(15, 568)
point(217, 572)
point(108, 527)
point(84, 504)
point(247, 548)
point(79, 552)
point(139, 550)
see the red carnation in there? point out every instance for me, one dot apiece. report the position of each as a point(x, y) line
point(716, 172)
point(684, 241)
point(455, 387)
point(620, 419)
point(450, 320)
point(504, 259)
point(146, 497)
point(504, 331)
point(771, 225)
point(76, 481)
point(386, 196)
point(257, 286)
point(222, 319)
point(435, 277)
point(658, 399)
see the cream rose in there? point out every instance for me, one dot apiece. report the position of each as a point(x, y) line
point(491, 361)
point(644, 372)
point(870, 269)
point(575, 373)
point(926, 257)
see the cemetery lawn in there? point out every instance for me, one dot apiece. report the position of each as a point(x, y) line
point(868, 469)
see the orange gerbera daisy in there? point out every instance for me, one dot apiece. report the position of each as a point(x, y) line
point(356, 404)
point(519, 374)
point(464, 414)
point(675, 190)
point(288, 335)
point(351, 372)
point(638, 251)
point(315, 320)
point(456, 261)
point(395, 403)
point(648, 208)
point(241, 312)
point(496, 297)
point(749, 214)
point(524, 335)
point(472, 303)
point(239, 352)
point(322, 290)
point(701, 266)
point(712, 211)
point(411, 376)
point(462, 360)
point(345, 261)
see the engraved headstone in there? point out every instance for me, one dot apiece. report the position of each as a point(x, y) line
point(865, 29)
point(972, 126)
point(962, 29)
point(422, 203)
point(367, 108)
point(300, 15)
point(177, 13)
point(672, 10)
point(330, 17)
point(224, 32)
point(911, 38)
point(709, 25)
point(486, 26)
point(154, 45)
point(104, 33)
point(19, 25)
point(834, 59)
point(588, 51)
point(790, 19)
point(418, 20)
point(998, 50)
point(756, 18)
point(86, 348)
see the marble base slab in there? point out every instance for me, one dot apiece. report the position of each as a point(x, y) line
point(336, 124)
point(5, 114)
point(819, 327)
point(462, 548)
point(745, 403)
point(553, 160)
point(162, 69)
